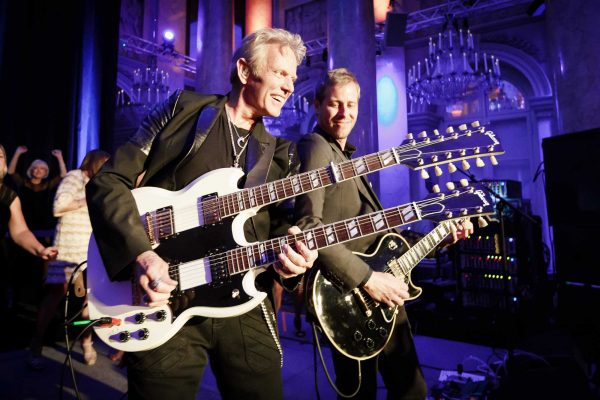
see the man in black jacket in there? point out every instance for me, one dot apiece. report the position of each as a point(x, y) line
point(187, 136)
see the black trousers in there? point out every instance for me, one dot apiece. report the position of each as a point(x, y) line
point(398, 365)
point(242, 353)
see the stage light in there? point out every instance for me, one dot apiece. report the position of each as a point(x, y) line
point(169, 36)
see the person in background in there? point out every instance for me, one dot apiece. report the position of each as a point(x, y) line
point(36, 191)
point(336, 108)
point(72, 237)
point(187, 136)
point(13, 222)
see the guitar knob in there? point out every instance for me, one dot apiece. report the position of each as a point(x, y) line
point(140, 318)
point(370, 343)
point(143, 334)
point(161, 315)
point(358, 336)
point(382, 332)
point(235, 293)
point(371, 324)
point(124, 336)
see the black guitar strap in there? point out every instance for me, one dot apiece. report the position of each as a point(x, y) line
point(258, 174)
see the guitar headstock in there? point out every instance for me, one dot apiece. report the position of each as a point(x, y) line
point(466, 201)
point(461, 144)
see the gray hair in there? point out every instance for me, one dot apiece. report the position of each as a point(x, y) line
point(339, 76)
point(253, 49)
point(38, 163)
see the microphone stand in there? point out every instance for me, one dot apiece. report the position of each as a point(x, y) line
point(500, 205)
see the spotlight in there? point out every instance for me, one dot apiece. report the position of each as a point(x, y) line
point(169, 36)
point(168, 41)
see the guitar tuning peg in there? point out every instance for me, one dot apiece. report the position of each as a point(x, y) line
point(424, 174)
point(493, 160)
point(448, 214)
point(435, 188)
point(450, 185)
point(475, 124)
point(437, 170)
point(434, 158)
point(464, 182)
point(423, 134)
point(463, 211)
point(462, 127)
point(476, 150)
point(481, 222)
point(479, 162)
point(451, 168)
point(409, 136)
point(448, 155)
point(449, 129)
point(465, 164)
point(420, 161)
point(436, 132)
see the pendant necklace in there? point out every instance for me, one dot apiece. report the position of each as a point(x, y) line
point(241, 141)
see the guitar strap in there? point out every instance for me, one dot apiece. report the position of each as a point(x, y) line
point(258, 174)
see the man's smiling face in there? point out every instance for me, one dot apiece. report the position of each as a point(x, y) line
point(267, 91)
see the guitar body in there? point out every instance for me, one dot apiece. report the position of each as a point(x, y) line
point(356, 325)
point(144, 328)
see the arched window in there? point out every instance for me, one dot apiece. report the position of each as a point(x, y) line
point(507, 97)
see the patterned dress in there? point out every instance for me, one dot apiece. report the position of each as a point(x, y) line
point(73, 230)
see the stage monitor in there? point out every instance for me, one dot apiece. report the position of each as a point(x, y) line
point(572, 173)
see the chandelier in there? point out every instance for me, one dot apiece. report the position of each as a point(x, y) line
point(150, 86)
point(453, 70)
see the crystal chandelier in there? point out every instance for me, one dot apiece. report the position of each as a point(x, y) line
point(150, 86)
point(453, 70)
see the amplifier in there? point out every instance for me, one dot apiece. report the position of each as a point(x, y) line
point(508, 189)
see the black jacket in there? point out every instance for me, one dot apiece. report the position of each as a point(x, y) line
point(172, 133)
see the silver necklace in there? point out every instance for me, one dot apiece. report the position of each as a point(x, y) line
point(242, 139)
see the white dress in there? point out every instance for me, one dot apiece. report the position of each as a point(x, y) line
point(73, 229)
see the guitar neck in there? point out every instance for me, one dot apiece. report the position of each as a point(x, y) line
point(263, 253)
point(405, 263)
point(286, 188)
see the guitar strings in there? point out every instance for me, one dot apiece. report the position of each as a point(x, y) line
point(318, 233)
point(230, 200)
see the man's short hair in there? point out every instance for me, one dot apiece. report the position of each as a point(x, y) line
point(253, 49)
point(338, 76)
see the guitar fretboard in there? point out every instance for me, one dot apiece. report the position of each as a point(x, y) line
point(245, 258)
point(407, 261)
point(282, 189)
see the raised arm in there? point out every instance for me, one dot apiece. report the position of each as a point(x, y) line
point(61, 162)
point(12, 167)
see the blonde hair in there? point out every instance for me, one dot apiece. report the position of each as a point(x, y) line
point(253, 49)
point(339, 76)
point(4, 167)
point(38, 163)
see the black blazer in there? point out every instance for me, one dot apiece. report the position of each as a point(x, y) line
point(178, 126)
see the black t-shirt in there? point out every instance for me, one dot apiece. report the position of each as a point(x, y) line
point(7, 196)
point(215, 152)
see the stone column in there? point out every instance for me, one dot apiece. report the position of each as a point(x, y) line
point(573, 34)
point(542, 110)
point(214, 46)
point(351, 44)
